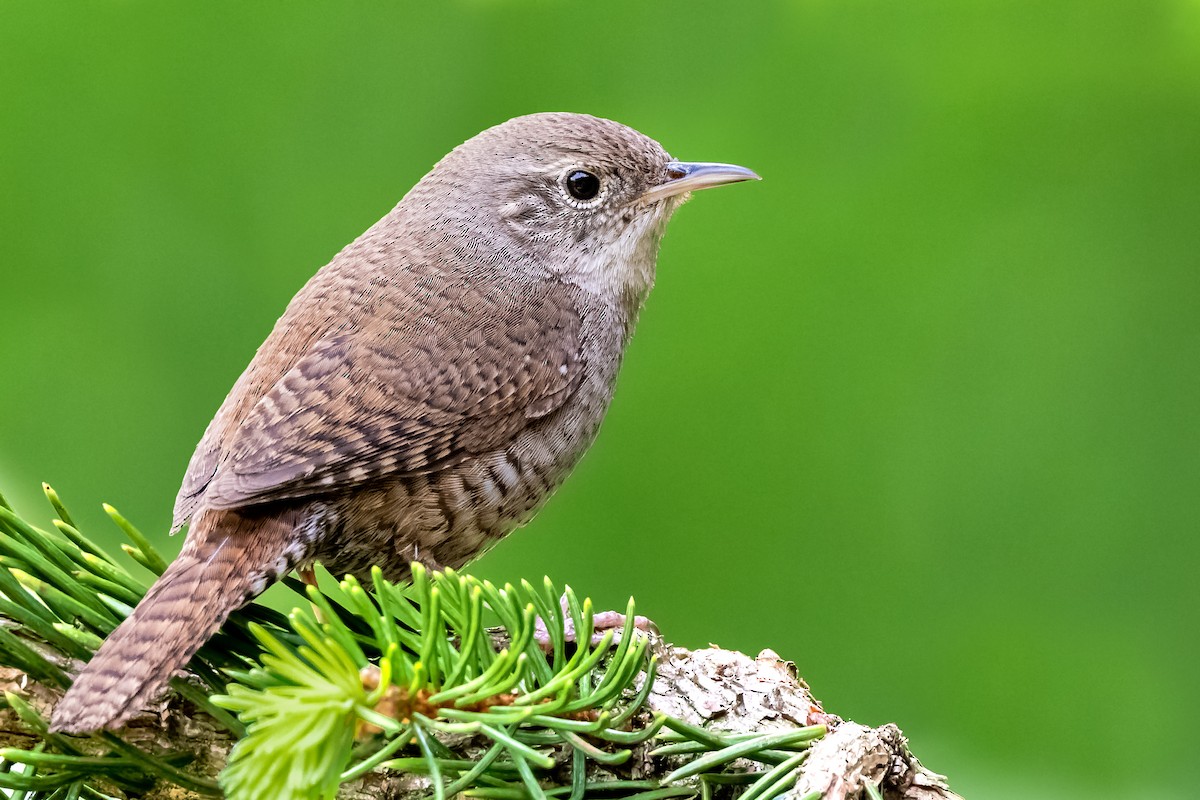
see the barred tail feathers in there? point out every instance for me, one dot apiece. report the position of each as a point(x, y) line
point(228, 559)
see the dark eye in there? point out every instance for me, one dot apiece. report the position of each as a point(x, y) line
point(583, 185)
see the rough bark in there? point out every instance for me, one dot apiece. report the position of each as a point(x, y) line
point(712, 688)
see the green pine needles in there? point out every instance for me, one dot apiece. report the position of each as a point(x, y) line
point(478, 690)
point(311, 709)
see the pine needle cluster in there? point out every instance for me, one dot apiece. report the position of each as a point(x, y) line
point(480, 690)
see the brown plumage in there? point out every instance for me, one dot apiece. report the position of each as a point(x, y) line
point(423, 394)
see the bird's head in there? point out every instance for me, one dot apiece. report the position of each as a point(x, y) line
point(582, 197)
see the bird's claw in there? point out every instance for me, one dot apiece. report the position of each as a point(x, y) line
point(602, 621)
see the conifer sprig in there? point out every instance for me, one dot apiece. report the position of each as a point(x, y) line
point(403, 677)
point(440, 674)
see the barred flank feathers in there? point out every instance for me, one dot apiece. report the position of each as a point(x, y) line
point(228, 559)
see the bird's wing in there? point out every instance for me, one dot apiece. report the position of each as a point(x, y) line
point(376, 400)
point(200, 472)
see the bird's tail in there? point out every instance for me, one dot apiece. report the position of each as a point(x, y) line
point(228, 559)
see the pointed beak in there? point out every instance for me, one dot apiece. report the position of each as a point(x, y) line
point(690, 176)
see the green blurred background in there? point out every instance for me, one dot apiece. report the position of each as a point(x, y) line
point(919, 411)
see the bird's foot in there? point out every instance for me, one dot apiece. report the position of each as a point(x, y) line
point(308, 576)
point(616, 621)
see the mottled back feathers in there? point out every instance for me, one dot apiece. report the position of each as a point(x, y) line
point(379, 400)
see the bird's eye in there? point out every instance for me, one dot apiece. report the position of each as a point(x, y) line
point(583, 185)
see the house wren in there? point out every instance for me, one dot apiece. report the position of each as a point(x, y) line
point(423, 394)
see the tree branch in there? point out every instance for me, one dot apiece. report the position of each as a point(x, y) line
point(406, 677)
point(711, 688)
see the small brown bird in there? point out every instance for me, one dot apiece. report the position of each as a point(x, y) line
point(423, 394)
